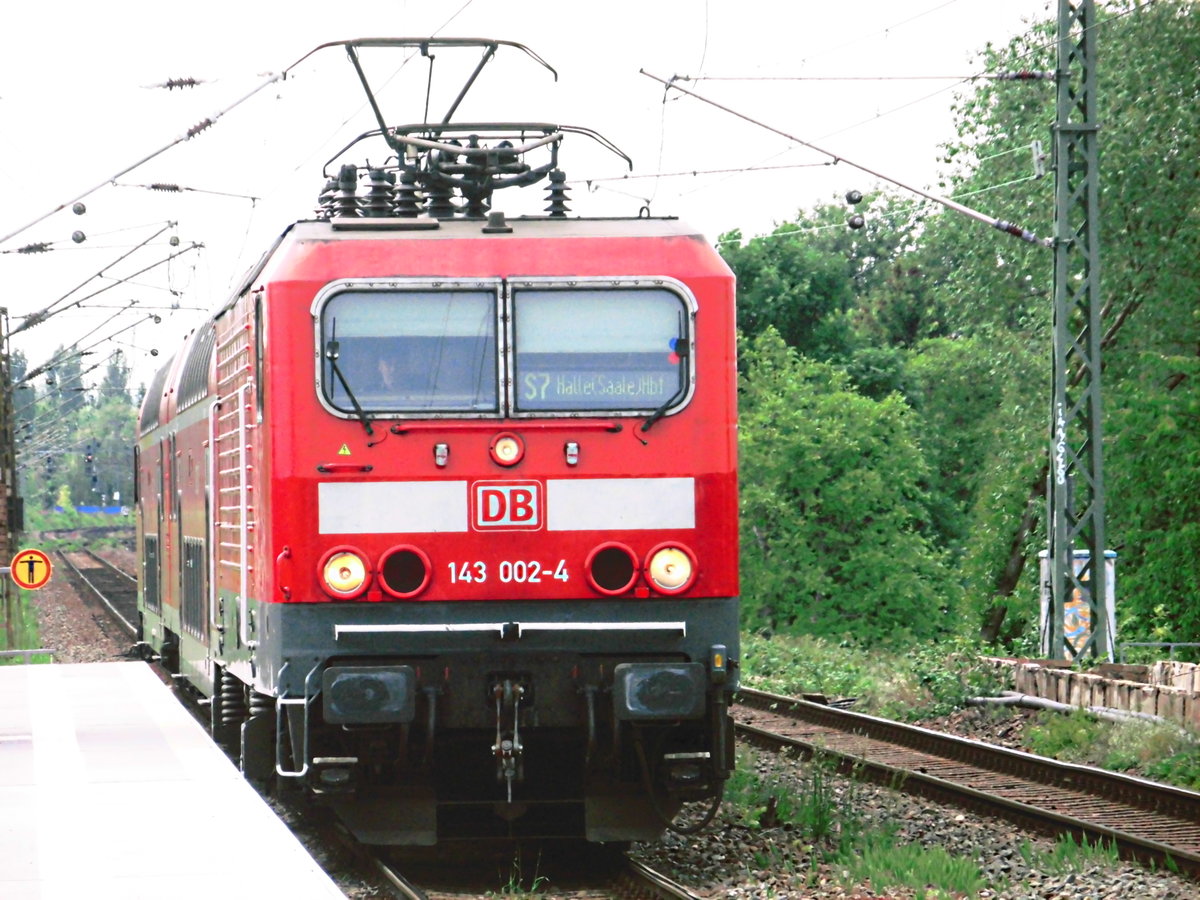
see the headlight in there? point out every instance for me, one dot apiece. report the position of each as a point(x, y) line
point(670, 568)
point(506, 449)
point(344, 573)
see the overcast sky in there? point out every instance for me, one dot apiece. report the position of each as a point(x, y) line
point(78, 105)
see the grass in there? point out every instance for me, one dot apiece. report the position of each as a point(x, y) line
point(1163, 752)
point(516, 886)
point(1070, 855)
point(20, 627)
point(818, 820)
point(930, 871)
point(1068, 737)
point(812, 809)
point(813, 822)
point(1181, 768)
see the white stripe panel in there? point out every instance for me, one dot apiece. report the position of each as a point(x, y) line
point(620, 504)
point(384, 507)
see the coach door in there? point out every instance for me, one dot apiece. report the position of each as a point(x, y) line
point(170, 528)
point(152, 527)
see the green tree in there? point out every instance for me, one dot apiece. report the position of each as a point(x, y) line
point(116, 377)
point(833, 515)
point(868, 253)
point(1154, 489)
point(99, 463)
point(65, 424)
point(966, 407)
point(64, 381)
point(24, 400)
point(786, 283)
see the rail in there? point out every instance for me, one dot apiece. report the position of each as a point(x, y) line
point(115, 589)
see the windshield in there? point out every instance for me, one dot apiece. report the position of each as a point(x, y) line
point(598, 348)
point(410, 350)
point(565, 349)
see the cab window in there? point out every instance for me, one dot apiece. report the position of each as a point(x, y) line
point(410, 351)
point(602, 349)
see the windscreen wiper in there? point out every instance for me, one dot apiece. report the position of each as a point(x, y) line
point(681, 352)
point(662, 410)
point(331, 354)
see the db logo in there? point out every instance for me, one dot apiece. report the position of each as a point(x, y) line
point(507, 505)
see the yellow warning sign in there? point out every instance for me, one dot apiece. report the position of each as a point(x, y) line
point(30, 569)
point(345, 451)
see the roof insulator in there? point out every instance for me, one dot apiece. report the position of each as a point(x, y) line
point(408, 198)
point(381, 193)
point(345, 200)
point(557, 195)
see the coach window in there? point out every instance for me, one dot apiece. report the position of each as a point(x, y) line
point(612, 349)
point(406, 351)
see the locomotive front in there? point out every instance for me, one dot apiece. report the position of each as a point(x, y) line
point(511, 532)
point(471, 509)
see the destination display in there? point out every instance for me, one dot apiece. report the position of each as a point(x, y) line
point(596, 387)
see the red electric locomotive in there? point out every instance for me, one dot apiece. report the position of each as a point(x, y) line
point(440, 509)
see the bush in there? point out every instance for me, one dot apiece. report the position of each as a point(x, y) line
point(833, 507)
point(932, 680)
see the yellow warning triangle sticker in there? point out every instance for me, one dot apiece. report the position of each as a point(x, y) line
point(345, 451)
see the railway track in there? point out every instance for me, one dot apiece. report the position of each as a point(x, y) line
point(1147, 821)
point(115, 589)
point(585, 873)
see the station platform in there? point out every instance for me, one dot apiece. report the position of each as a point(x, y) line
point(110, 789)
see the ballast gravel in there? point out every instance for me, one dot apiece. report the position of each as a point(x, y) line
point(735, 861)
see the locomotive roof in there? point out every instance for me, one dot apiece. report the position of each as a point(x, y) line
point(391, 229)
point(459, 228)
